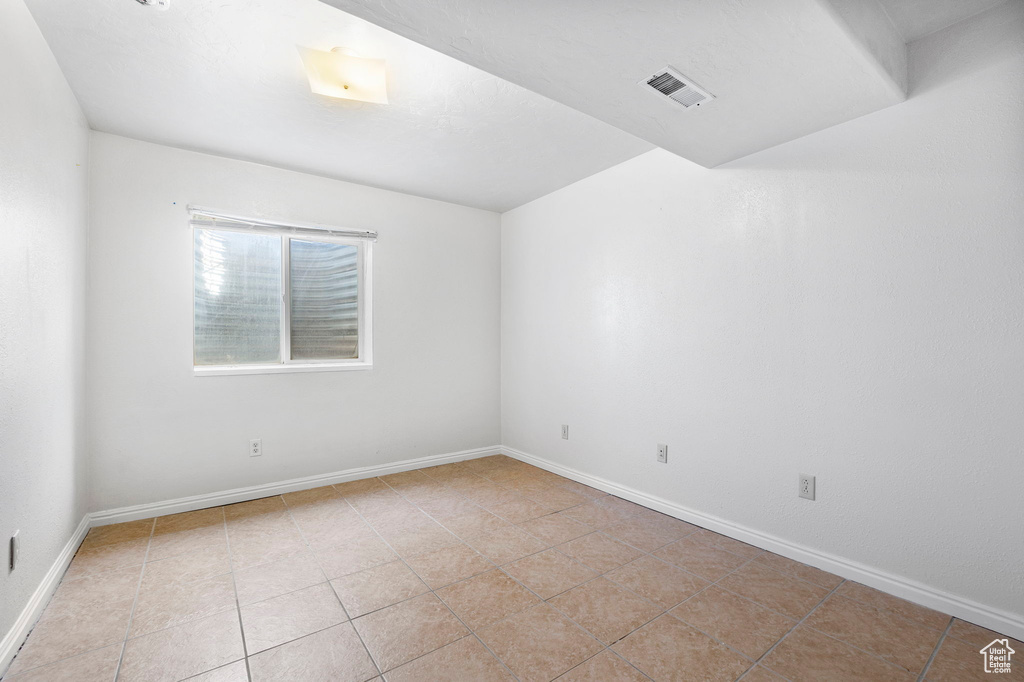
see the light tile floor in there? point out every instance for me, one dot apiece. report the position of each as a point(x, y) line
point(489, 569)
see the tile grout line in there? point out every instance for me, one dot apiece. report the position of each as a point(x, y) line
point(935, 651)
point(430, 589)
point(662, 612)
point(798, 624)
point(135, 601)
point(351, 620)
point(234, 587)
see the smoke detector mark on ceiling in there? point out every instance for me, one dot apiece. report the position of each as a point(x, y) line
point(671, 84)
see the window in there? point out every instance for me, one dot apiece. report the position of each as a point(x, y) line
point(273, 297)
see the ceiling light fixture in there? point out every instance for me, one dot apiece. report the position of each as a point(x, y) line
point(343, 74)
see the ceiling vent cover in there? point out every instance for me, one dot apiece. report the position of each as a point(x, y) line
point(677, 87)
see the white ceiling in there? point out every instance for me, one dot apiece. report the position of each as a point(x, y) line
point(224, 77)
point(917, 18)
point(780, 69)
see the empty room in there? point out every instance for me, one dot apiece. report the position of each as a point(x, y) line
point(482, 340)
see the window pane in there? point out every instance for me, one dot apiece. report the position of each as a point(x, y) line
point(237, 298)
point(325, 302)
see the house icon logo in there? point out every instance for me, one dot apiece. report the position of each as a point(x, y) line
point(997, 656)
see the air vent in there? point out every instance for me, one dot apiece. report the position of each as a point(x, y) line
point(677, 87)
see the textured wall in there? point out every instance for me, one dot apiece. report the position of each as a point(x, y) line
point(157, 432)
point(848, 305)
point(43, 148)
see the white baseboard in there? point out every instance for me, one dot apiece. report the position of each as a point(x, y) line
point(14, 638)
point(184, 504)
point(987, 616)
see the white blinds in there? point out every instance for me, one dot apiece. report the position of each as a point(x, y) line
point(201, 217)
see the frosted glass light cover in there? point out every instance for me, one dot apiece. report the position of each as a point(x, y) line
point(345, 76)
point(237, 298)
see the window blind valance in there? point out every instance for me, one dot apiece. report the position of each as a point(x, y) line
point(206, 218)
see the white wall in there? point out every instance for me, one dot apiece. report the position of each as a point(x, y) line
point(157, 432)
point(849, 305)
point(43, 149)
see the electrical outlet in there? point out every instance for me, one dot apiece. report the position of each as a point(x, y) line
point(15, 548)
point(662, 453)
point(806, 487)
point(565, 432)
point(256, 447)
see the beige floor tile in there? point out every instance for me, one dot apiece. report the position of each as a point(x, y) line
point(94, 666)
point(606, 610)
point(539, 643)
point(377, 587)
point(797, 570)
point(720, 541)
point(747, 627)
point(422, 541)
point(356, 556)
point(700, 558)
point(657, 581)
point(95, 590)
point(188, 567)
point(447, 506)
point(605, 667)
point(169, 545)
point(325, 534)
point(290, 616)
point(580, 489)
point(668, 649)
point(599, 551)
point(232, 672)
point(975, 634)
point(789, 596)
point(107, 558)
point(549, 573)
point(408, 630)
point(620, 505)
point(556, 498)
point(809, 656)
point(264, 581)
point(331, 655)
point(465, 659)
point(167, 604)
point(183, 651)
point(118, 532)
point(259, 507)
point(449, 564)
point(271, 538)
point(486, 598)
point(902, 607)
point(59, 634)
point(761, 674)
point(958, 661)
point(310, 497)
point(201, 518)
point(883, 633)
point(554, 529)
point(475, 522)
point(506, 545)
point(595, 515)
point(648, 534)
point(519, 509)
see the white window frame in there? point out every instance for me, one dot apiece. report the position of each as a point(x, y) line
point(288, 231)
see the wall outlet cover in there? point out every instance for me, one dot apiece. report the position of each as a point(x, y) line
point(662, 453)
point(806, 489)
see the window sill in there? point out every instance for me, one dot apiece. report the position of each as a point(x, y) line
point(291, 368)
